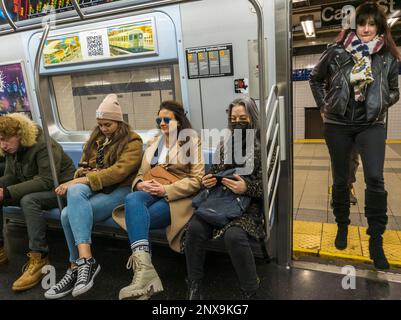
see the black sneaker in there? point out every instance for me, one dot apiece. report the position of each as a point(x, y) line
point(87, 271)
point(64, 286)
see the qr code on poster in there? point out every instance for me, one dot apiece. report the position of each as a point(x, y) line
point(95, 46)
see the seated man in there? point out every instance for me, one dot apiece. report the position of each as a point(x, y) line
point(27, 182)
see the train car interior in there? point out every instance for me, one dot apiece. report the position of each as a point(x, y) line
point(60, 59)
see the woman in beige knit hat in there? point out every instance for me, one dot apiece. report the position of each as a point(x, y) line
point(109, 163)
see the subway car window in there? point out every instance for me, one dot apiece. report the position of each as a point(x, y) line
point(139, 90)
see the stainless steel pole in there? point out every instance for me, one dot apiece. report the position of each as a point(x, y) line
point(42, 114)
point(7, 16)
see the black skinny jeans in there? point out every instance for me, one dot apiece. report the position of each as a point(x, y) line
point(370, 143)
point(238, 247)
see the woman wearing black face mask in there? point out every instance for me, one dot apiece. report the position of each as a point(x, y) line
point(243, 115)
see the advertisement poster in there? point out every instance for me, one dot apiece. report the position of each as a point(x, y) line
point(132, 39)
point(64, 49)
point(13, 92)
point(138, 38)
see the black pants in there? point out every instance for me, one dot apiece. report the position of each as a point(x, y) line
point(238, 247)
point(354, 163)
point(32, 206)
point(370, 143)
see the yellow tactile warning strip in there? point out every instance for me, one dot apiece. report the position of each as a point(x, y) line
point(390, 141)
point(317, 239)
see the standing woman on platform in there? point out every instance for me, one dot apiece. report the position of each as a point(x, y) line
point(354, 84)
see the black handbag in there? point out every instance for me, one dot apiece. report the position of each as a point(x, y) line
point(219, 205)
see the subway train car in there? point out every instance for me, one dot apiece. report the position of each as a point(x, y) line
point(59, 60)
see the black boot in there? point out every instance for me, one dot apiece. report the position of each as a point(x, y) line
point(377, 253)
point(375, 211)
point(341, 237)
point(341, 204)
point(194, 290)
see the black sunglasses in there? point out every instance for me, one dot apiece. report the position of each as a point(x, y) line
point(166, 120)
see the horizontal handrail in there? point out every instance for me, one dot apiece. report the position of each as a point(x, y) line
point(136, 7)
point(124, 9)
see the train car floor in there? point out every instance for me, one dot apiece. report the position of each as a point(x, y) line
point(220, 280)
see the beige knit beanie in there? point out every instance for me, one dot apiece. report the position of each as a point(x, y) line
point(110, 109)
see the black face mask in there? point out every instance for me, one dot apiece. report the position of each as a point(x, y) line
point(240, 125)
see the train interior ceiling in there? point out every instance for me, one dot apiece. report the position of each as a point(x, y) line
point(197, 52)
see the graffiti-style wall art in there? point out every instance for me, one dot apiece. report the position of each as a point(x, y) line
point(13, 91)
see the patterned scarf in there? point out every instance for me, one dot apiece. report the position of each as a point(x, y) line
point(100, 153)
point(361, 74)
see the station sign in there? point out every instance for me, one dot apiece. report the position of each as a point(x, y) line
point(332, 15)
point(210, 61)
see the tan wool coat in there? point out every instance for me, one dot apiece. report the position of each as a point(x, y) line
point(121, 173)
point(178, 194)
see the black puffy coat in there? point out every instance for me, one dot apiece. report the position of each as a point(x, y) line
point(331, 86)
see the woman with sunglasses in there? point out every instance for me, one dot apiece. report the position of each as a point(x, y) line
point(153, 205)
point(243, 119)
point(354, 84)
point(110, 161)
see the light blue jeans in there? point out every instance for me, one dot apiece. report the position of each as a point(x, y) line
point(85, 207)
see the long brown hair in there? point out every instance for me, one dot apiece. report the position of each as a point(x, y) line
point(119, 140)
point(373, 10)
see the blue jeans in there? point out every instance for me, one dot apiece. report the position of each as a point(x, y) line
point(84, 207)
point(144, 212)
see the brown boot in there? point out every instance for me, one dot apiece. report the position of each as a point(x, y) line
point(32, 272)
point(3, 256)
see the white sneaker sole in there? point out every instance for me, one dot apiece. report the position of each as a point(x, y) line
point(76, 293)
point(58, 295)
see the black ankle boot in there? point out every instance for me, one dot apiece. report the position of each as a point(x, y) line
point(341, 237)
point(194, 290)
point(377, 253)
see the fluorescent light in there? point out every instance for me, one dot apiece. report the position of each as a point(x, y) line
point(308, 25)
point(392, 21)
point(296, 1)
point(393, 18)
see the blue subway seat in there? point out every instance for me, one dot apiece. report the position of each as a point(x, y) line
point(54, 214)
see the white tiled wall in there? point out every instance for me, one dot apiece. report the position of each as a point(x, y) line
point(303, 98)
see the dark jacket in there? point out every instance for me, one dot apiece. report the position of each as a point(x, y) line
point(252, 221)
point(28, 170)
point(332, 90)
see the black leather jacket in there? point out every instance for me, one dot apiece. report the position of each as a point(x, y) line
point(331, 87)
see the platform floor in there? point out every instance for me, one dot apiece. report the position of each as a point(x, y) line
point(314, 222)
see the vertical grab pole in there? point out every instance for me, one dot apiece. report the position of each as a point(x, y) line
point(42, 114)
point(262, 98)
point(7, 16)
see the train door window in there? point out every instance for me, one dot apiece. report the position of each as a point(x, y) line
point(139, 91)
